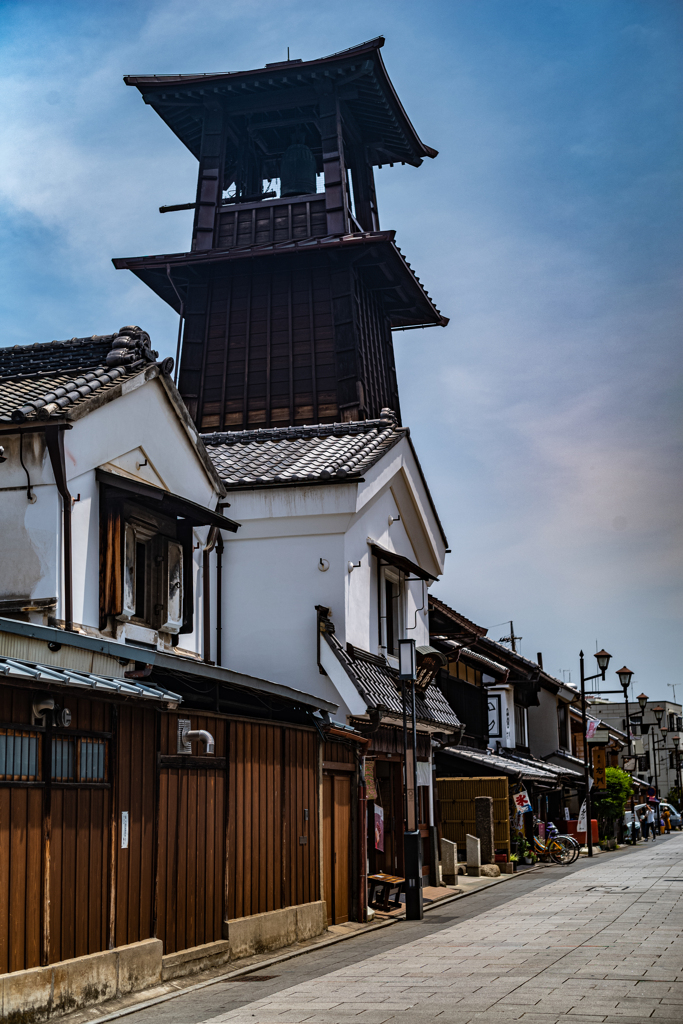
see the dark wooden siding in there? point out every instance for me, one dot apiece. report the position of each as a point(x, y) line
point(191, 856)
point(269, 355)
point(135, 770)
point(101, 895)
point(20, 860)
point(79, 855)
point(266, 222)
point(273, 781)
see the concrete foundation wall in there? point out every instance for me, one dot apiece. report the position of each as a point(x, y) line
point(263, 932)
point(27, 997)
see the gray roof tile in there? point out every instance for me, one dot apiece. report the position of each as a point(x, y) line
point(44, 380)
point(320, 453)
point(377, 682)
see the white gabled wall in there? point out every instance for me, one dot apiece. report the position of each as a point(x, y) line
point(32, 562)
point(272, 580)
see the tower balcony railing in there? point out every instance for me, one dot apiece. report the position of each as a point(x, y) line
point(271, 220)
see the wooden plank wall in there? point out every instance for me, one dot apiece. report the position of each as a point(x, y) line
point(21, 815)
point(208, 869)
point(268, 353)
point(21, 811)
point(135, 793)
point(273, 780)
point(79, 850)
point(191, 837)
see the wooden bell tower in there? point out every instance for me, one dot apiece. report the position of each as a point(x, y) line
point(290, 290)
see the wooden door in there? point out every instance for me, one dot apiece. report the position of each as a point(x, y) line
point(337, 846)
point(191, 856)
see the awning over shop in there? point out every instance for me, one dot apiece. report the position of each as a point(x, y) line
point(103, 686)
point(502, 765)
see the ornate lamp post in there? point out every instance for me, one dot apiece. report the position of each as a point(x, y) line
point(603, 659)
point(658, 713)
point(412, 841)
point(676, 740)
point(625, 676)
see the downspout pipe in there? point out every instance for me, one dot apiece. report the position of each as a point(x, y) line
point(219, 599)
point(206, 589)
point(54, 439)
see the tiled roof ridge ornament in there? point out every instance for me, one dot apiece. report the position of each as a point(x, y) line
point(131, 348)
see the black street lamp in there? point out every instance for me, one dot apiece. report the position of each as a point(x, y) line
point(412, 841)
point(603, 659)
point(676, 740)
point(625, 677)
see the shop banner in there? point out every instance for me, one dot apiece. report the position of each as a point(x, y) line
point(522, 802)
point(370, 781)
point(379, 828)
point(581, 824)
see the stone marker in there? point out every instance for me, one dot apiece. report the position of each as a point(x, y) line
point(449, 862)
point(483, 816)
point(473, 856)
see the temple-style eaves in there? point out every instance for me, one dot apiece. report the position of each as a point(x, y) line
point(278, 98)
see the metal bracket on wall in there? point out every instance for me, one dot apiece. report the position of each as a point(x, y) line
point(183, 746)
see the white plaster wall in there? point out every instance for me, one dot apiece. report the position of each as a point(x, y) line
point(272, 581)
point(270, 589)
point(32, 562)
point(542, 725)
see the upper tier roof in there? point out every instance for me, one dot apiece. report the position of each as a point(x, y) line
point(278, 95)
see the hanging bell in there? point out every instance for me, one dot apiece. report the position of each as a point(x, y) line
point(297, 171)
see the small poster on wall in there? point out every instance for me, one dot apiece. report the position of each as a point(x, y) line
point(370, 781)
point(379, 828)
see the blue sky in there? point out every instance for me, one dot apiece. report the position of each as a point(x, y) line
point(547, 414)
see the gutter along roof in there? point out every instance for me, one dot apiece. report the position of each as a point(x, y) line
point(357, 74)
point(167, 664)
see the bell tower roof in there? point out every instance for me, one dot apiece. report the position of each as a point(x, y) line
point(279, 98)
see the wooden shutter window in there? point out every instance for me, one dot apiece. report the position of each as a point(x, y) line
point(111, 562)
point(172, 586)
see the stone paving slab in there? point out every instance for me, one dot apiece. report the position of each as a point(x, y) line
point(602, 946)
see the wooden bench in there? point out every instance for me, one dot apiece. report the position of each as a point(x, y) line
point(386, 884)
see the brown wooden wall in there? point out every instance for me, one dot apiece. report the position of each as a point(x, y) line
point(135, 792)
point(273, 780)
point(210, 865)
point(191, 839)
point(21, 812)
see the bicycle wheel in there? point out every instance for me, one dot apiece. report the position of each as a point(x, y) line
point(576, 847)
point(560, 851)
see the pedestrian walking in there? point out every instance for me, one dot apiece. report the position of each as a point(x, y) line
point(666, 815)
point(650, 823)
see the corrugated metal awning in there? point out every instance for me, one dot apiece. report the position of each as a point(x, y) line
point(103, 686)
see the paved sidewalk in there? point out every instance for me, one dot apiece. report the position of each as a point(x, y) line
point(604, 944)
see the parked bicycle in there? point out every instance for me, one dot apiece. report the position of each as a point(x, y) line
point(562, 849)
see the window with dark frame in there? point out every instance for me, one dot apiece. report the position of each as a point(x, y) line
point(73, 759)
point(19, 755)
point(520, 726)
point(142, 577)
point(392, 610)
point(562, 721)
